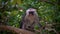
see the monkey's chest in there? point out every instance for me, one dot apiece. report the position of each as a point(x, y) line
point(30, 20)
point(30, 23)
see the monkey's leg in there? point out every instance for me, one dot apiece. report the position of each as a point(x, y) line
point(24, 26)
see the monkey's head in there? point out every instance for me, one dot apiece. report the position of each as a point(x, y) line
point(31, 11)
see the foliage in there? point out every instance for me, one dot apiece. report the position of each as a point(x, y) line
point(11, 11)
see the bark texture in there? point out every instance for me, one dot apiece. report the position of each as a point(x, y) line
point(14, 29)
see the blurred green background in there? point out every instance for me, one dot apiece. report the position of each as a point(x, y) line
point(11, 12)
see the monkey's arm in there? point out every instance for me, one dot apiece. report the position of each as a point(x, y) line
point(21, 22)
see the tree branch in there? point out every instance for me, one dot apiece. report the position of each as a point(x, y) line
point(14, 29)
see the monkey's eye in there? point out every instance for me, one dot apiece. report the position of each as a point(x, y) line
point(31, 12)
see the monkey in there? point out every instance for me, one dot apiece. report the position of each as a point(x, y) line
point(30, 19)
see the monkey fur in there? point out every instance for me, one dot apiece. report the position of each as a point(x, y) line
point(30, 19)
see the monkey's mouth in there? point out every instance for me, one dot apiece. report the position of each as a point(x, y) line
point(31, 13)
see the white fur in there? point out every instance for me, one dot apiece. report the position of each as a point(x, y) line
point(31, 9)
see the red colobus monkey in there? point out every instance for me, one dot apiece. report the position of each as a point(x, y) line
point(30, 19)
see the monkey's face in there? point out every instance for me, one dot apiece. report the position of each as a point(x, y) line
point(31, 11)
